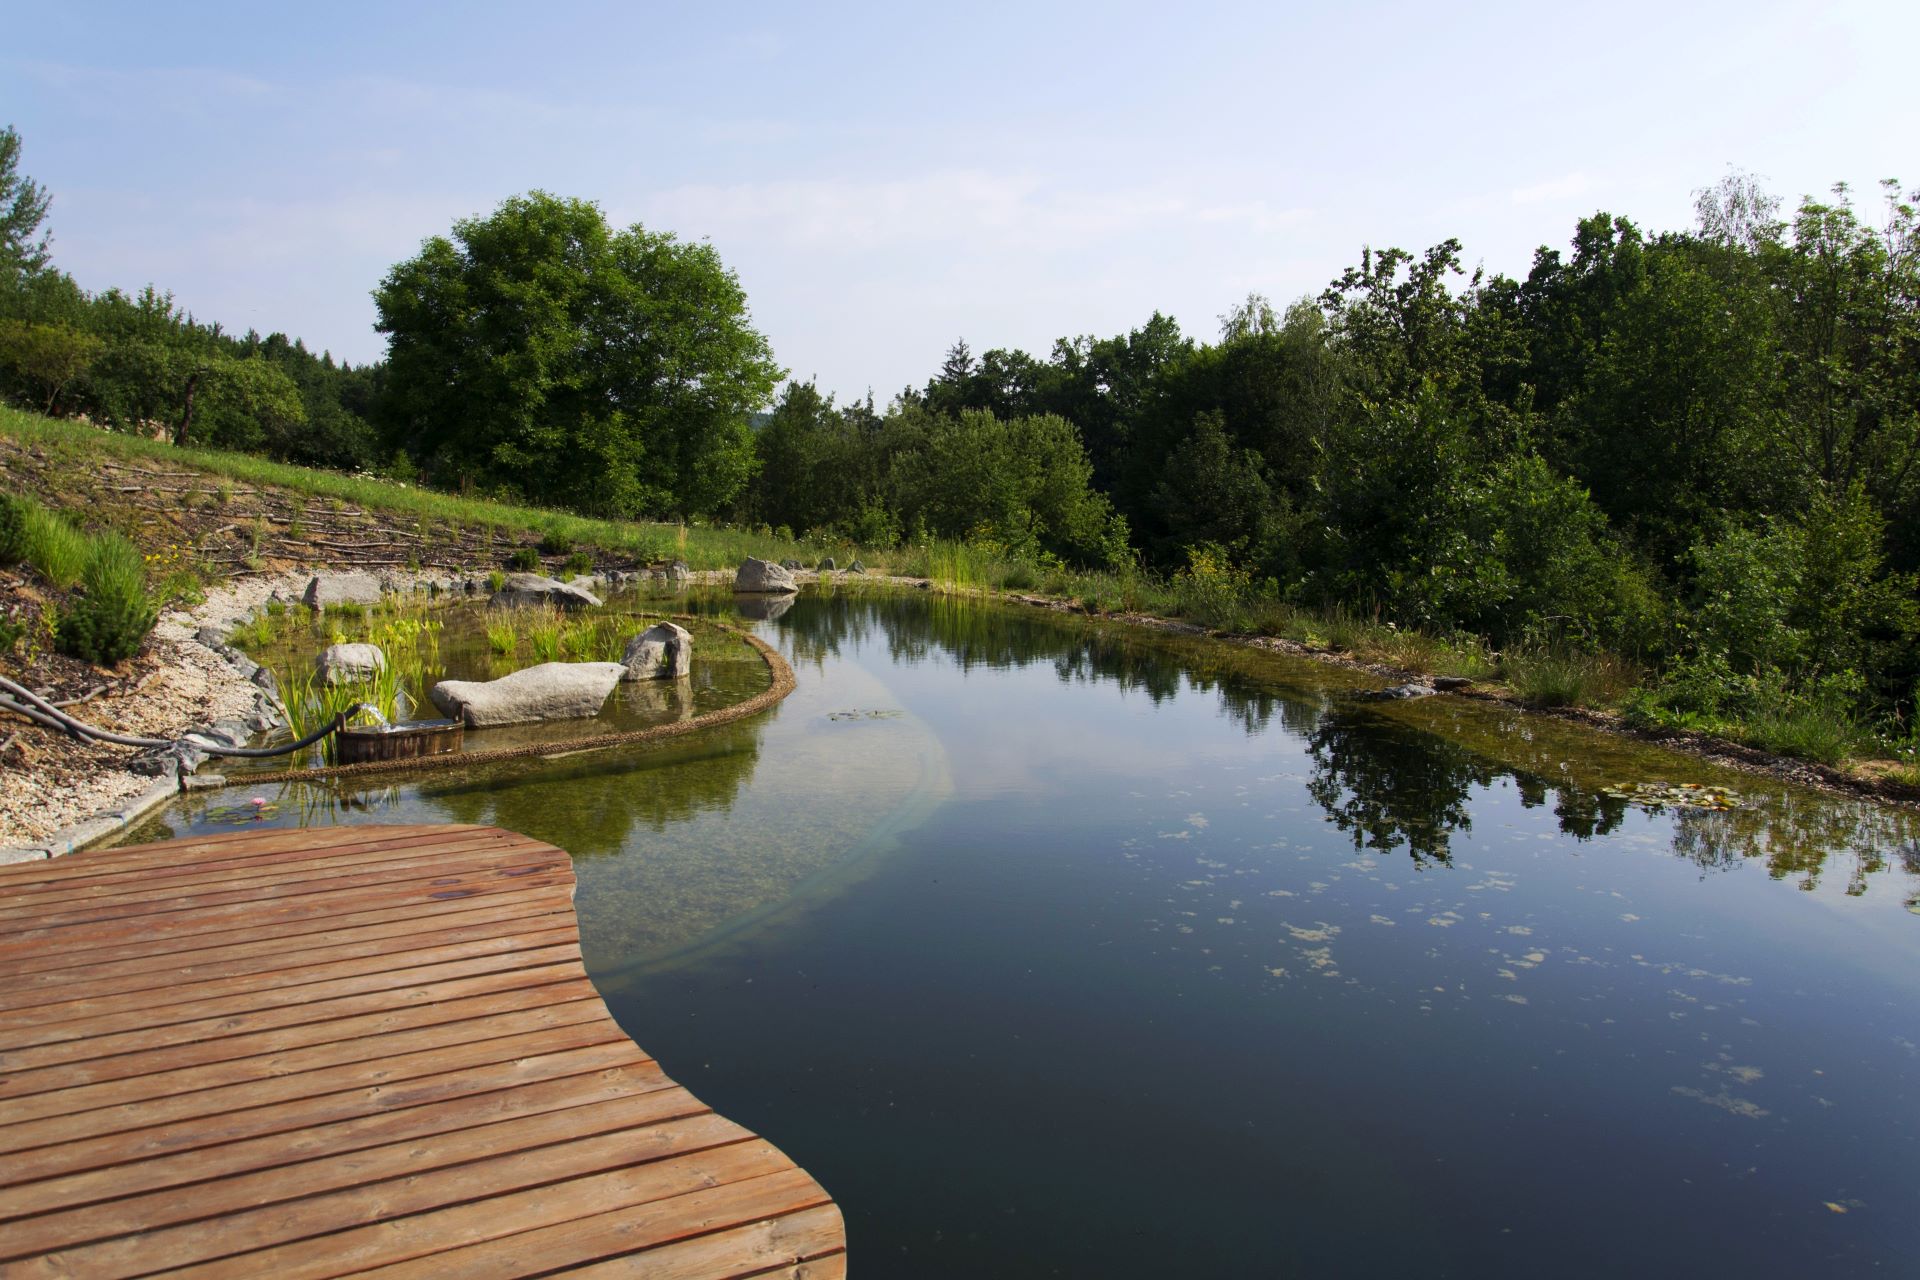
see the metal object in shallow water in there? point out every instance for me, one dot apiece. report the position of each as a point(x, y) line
point(404, 741)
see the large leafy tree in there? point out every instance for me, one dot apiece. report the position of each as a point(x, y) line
point(539, 352)
point(23, 211)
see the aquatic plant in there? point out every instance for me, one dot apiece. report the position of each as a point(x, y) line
point(502, 637)
point(545, 630)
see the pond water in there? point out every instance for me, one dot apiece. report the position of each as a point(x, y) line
point(1053, 947)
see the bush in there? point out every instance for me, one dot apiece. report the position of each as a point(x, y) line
point(13, 529)
point(555, 544)
point(580, 562)
point(524, 560)
point(111, 619)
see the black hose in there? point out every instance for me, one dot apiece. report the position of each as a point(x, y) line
point(41, 711)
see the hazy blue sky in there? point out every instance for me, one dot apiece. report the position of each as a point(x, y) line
point(886, 179)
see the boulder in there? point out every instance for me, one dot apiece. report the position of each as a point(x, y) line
point(679, 572)
point(347, 663)
point(827, 565)
point(789, 565)
point(856, 567)
point(1451, 684)
point(550, 691)
point(661, 652)
point(756, 576)
point(328, 589)
point(531, 589)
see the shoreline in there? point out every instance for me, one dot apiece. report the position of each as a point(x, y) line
point(195, 683)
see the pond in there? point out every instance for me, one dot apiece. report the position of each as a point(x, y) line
point(1055, 947)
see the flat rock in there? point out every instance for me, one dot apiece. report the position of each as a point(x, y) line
point(328, 589)
point(757, 576)
point(550, 691)
point(530, 589)
point(661, 652)
point(349, 663)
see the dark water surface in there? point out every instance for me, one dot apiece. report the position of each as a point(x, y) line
point(1054, 948)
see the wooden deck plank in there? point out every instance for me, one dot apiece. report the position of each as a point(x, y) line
point(567, 1223)
point(271, 869)
point(308, 1053)
point(299, 1116)
point(174, 1167)
point(145, 1034)
point(512, 1239)
point(412, 1158)
point(288, 979)
point(205, 948)
point(208, 1048)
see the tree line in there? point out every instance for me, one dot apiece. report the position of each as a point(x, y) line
point(1696, 448)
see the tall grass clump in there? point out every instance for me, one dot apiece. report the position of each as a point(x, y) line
point(546, 633)
point(502, 636)
point(111, 617)
point(57, 551)
point(1559, 677)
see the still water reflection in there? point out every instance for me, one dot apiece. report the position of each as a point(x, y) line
point(1055, 948)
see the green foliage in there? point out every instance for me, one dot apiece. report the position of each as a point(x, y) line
point(23, 211)
point(13, 528)
point(109, 620)
point(539, 352)
point(57, 550)
point(523, 560)
point(580, 562)
point(555, 544)
point(1565, 677)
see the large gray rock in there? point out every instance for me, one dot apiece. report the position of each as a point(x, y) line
point(757, 576)
point(530, 589)
point(328, 589)
point(661, 652)
point(679, 572)
point(348, 663)
point(550, 691)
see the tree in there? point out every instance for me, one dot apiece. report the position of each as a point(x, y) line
point(23, 209)
point(48, 357)
point(540, 353)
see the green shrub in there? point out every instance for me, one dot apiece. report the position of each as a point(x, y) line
point(580, 562)
point(56, 550)
point(555, 544)
point(524, 560)
point(110, 620)
point(13, 529)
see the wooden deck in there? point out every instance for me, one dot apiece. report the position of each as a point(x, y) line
point(352, 1051)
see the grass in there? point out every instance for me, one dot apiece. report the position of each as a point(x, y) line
point(1567, 678)
point(56, 549)
point(700, 546)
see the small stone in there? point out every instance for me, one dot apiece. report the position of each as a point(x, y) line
point(827, 564)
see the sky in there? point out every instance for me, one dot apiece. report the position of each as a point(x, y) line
point(885, 179)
